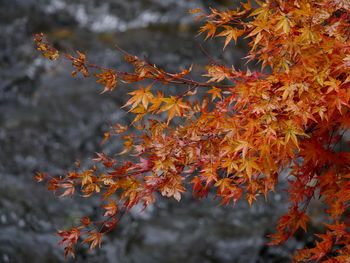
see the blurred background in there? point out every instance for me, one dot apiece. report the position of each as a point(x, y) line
point(49, 119)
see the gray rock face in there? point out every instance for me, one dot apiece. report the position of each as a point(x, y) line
point(48, 120)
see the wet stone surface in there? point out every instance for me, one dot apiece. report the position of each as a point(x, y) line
point(48, 120)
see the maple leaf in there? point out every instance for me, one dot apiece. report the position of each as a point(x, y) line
point(195, 11)
point(339, 229)
point(85, 221)
point(228, 190)
point(302, 219)
point(118, 128)
point(322, 247)
point(209, 174)
point(215, 93)
point(69, 251)
point(173, 187)
point(80, 64)
point(140, 112)
point(156, 102)
point(284, 23)
point(108, 78)
point(231, 33)
point(242, 146)
point(39, 177)
point(249, 165)
point(183, 72)
point(277, 238)
point(247, 6)
point(47, 50)
point(308, 35)
point(111, 208)
point(95, 238)
point(197, 184)
point(87, 177)
point(90, 189)
point(291, 132)
point(142, 95)
point(217, 73)
point(210, 27)
point(144, 165)
point(174, 106)
point(262, 12)
point(127, 143)
point(69, 238)
point(69, 186)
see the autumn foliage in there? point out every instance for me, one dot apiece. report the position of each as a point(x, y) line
point(243, 132)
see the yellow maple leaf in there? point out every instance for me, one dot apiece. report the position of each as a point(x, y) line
point(174, 106)
point(230, 33)
point(142, 95)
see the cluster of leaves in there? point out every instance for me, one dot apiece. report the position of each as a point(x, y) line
point(237, 138)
